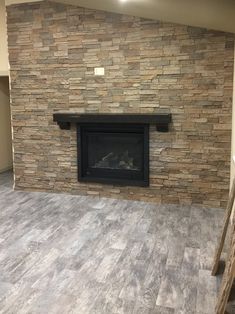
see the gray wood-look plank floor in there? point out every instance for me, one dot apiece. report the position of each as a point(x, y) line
point(72, 254)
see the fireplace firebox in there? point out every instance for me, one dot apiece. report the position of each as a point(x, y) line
point(113, 153)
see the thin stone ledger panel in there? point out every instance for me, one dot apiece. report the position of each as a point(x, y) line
point(150, 66)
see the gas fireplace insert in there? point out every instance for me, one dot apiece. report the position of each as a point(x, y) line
point(113, 153)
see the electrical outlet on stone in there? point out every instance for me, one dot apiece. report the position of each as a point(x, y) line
point(99, 71)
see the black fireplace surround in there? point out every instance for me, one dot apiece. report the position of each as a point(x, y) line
point(113, 149)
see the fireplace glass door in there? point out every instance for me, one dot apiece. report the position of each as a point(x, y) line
point(115, 154)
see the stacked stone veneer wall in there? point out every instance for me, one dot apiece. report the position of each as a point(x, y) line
point(150, 66)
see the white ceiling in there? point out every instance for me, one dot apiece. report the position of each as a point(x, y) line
point(9, 2)
point(214, 14)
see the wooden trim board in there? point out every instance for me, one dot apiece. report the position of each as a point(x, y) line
point(225, 229)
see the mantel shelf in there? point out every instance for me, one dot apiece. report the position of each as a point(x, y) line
point(161, 120)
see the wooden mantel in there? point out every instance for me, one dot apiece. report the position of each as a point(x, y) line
point(161, 120)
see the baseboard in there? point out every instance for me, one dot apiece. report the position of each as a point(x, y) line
point(6, 169)
point(4, 73)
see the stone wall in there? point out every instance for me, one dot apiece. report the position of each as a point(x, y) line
point(150, 66)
